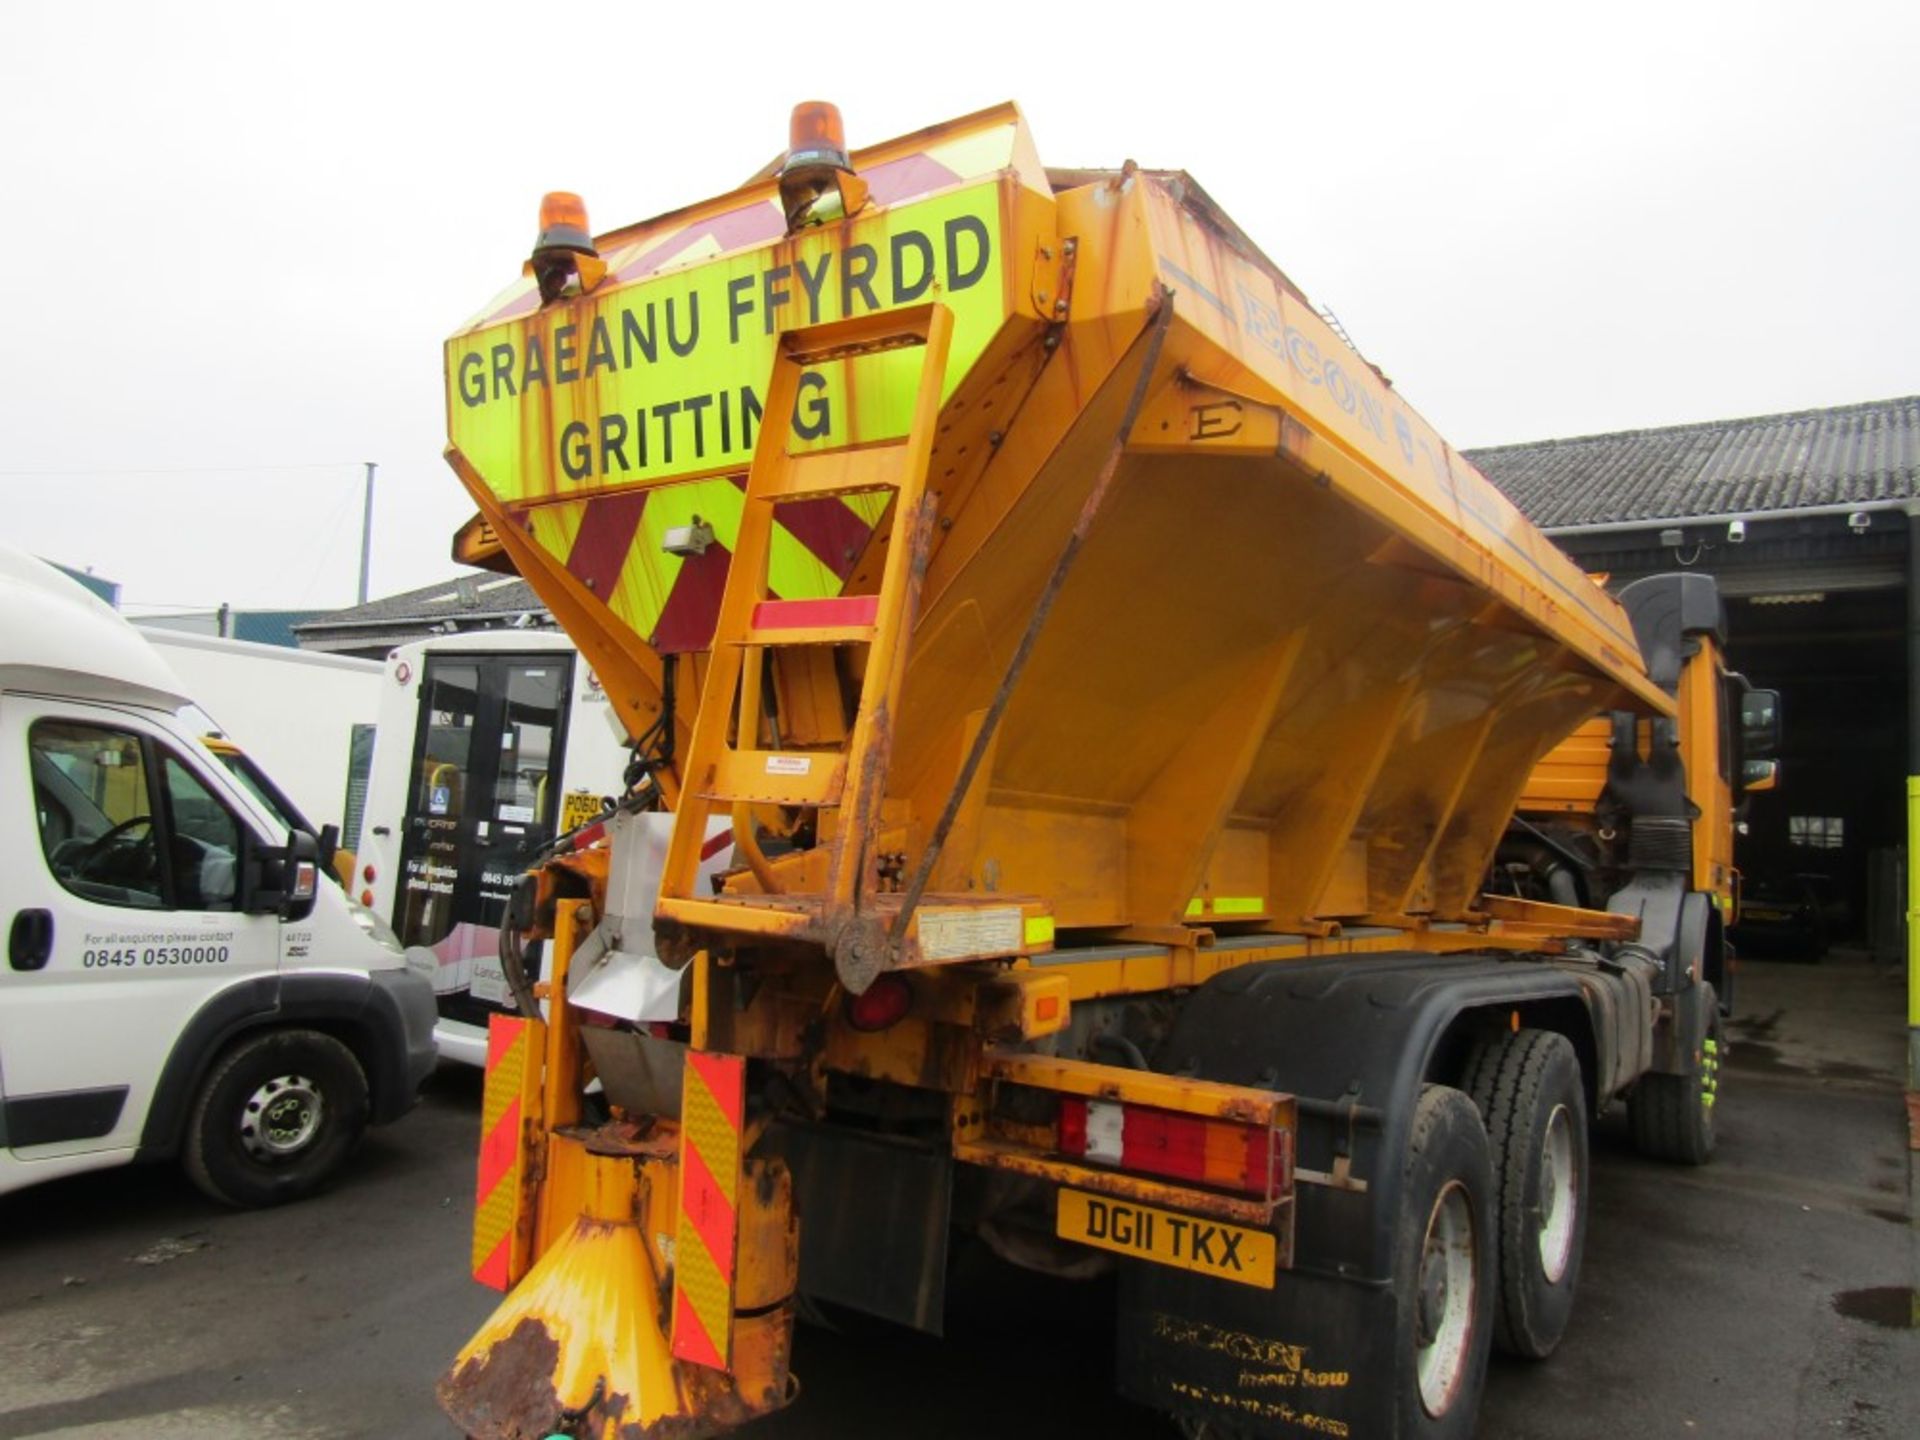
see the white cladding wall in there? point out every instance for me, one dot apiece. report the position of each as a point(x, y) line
point(291, 710)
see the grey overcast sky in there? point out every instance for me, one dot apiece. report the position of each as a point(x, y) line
point(236, 234)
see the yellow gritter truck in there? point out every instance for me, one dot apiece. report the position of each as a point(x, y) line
point(1075, 705)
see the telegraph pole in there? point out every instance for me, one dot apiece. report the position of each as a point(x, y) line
point(1913, 803)
point(366, 534)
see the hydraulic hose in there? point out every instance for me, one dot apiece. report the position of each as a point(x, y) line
point(513, 965)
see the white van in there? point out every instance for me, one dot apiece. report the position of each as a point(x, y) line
point(489, 745)
point(176, 982)
point(241, 686)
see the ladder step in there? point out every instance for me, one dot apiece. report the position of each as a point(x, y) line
point(777, 777)
point(811, 475)
point(859, 335)
point(842, 620)
point(764, 919)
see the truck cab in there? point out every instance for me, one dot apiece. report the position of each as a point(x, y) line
point(1572, 840)
point(178, 983)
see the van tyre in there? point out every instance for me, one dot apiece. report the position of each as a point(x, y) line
point(1443, 1269)
point(277, 1114)
point(1671, 1116)
point(1532, 1099)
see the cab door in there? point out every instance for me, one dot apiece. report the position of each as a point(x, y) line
point(484, 800)
point(121, 895)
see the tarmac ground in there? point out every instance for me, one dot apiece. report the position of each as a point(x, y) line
point(1767, 1294)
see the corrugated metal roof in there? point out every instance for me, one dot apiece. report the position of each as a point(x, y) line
point(467, 598)
point(1853, 454)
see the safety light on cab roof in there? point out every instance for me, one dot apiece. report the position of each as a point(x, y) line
point(564, 250)
point(817, 183)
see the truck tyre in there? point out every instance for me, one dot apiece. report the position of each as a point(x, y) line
point(1671, 1116)
point(1443, 1269)
point(1533, 1101)
point(277, 1114)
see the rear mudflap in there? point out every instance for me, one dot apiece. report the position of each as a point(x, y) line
point(1312, 1356)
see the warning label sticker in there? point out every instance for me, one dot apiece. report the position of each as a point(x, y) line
point(953, 932)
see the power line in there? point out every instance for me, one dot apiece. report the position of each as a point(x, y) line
point(187, 470)
point(178, 606)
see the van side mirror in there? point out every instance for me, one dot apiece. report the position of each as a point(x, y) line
point(1759, 724)
point(282, 880)
point(1758, 775)
point(329, 848)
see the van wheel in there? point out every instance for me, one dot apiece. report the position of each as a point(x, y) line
point(1443, 1269)
point(276, 1116)
point(1532, 1097)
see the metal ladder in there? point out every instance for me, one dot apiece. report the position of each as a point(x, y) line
point(725, 774)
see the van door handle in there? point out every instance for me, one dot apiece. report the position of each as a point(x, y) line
point(30, 942)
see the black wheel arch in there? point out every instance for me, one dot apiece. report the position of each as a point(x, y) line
point(344, 1005)
point(1566, 1015)
point(1365, 1032)
point(1359, 1038)
point(1716, 963)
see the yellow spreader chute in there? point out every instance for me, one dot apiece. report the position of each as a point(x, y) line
point(585, 1345)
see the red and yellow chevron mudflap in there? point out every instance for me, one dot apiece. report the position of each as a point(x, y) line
point(712, 1111)
point(503, 1208)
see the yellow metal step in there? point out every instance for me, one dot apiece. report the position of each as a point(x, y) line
point(811, 475)
point(777, 777)
point(843, 620)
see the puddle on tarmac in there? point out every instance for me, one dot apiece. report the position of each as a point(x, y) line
point(1894, 1307)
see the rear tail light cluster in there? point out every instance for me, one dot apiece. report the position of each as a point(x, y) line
point(1218, 1153)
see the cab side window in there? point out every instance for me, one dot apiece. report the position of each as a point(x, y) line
point(113, 835)
point(204, 842)
point(95, 807)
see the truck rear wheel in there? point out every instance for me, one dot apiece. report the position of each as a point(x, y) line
point(276, 1116)
point(1671, 1116)
point(1443, 1270)
point(1533, 1101)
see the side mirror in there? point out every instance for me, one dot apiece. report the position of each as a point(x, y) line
point(329, 850)
point(1759, 724)
point(282, 881)
point(1758, 775)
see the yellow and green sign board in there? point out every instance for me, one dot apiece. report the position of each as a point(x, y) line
point(644, 383)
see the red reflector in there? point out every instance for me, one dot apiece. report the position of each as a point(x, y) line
point(884, 1002)
point(366, 898)
point(1047, 1007)
point(1259, 1175)
point(1164, 1143)
point(812, 614)
point(1073, 1125)
point(366, 874)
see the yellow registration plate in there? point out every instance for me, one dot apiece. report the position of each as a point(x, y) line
point(1166, 1237)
